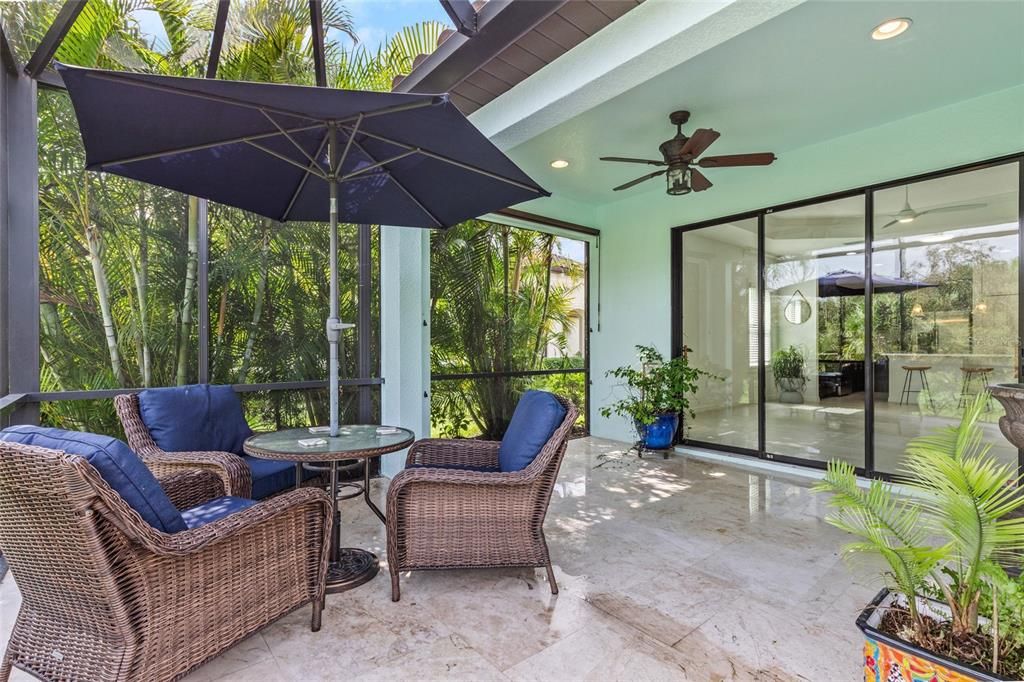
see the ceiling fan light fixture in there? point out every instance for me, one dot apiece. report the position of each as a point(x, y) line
point(678, 181)
point(559, 163)
point(905, 219)
point(890, 28)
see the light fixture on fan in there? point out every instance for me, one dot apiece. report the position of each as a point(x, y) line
point(678, 180)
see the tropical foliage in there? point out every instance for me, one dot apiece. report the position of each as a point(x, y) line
point(495, 308)
point(947, 537)
point(119, 259)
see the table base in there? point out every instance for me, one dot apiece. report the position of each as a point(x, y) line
point(353, 568)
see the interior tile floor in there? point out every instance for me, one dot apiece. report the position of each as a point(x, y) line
point(834, 429)
point(670, 569)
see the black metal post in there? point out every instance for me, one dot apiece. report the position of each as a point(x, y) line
point(364, 331)
point(47, 47)
point(869, 345)
point(762, 373)
point(19, 227)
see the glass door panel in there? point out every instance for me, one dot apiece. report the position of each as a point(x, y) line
point(720, 328)
point(945, 317)
point(814, 335)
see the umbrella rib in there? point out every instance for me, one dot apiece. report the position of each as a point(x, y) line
point(205, 145)
point(400, 186)
point(291, 139)
point(284, 158)
point(376, 164)
point(348, 144)
point(459, 164)
point(302, 182)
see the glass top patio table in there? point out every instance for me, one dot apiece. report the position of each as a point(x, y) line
point(352, 442)
point(348, 567)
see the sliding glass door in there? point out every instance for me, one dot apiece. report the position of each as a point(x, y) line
point(719, 294)
point(844, 337)
point(814, 345)
point(949, 325)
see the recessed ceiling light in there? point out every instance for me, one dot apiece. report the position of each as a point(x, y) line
point(559, 163)
point(890, 28)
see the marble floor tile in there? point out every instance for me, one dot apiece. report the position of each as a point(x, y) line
point(668, 569)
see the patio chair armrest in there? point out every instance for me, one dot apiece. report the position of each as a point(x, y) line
point(453, 452)
point(192, 487)
point(306, 505)
point(230, 468)
point(409, 480)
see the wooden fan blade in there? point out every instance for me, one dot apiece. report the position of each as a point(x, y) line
point(642, 178)
point(700, 141)
point(698, 181)
point(626, 159)
point(759, 159)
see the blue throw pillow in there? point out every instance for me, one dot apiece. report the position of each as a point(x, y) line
point(193, 418)
point(537, 416)
point(117, 464)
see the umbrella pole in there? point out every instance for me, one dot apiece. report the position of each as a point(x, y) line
point(333, 323)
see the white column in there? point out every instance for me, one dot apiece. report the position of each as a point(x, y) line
point(405, 334)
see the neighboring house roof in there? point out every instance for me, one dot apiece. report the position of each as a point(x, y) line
point(514, 39)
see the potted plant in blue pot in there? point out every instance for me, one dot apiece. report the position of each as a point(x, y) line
point(658, 394)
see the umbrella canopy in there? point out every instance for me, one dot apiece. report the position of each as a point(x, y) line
point(411, 160)
point(847, 283)
point(297, 153)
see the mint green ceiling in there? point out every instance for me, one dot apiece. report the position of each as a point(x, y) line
point(809, 75)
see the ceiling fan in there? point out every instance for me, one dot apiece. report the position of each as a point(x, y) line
point(909, 215)
point(679, 156)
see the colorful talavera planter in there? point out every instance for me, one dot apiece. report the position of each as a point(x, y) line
point(891, 659)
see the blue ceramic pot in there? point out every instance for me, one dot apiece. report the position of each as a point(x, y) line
point(661, 434)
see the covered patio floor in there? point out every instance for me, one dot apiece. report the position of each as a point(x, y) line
point(669, 569)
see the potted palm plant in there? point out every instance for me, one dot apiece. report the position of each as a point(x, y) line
point(657, 394)
point(788, 370)
point(949, 611)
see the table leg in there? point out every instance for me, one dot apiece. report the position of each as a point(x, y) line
point(366, 492)
point(349, 567)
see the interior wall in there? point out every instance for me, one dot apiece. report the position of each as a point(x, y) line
point(636, 231)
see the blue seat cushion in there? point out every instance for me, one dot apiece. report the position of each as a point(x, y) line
point(193, 418)
point(116, 463)
point(271, 476)
point(537, 416)
point(208, 512)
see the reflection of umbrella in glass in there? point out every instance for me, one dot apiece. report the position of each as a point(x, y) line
point(297, 153)
point(847, 283)
point(844, 283)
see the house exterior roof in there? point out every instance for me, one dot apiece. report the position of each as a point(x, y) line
point(514, 39)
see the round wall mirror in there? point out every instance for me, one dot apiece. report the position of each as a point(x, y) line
point(797, 310)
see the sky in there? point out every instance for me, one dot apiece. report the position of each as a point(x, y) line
point(374, 20)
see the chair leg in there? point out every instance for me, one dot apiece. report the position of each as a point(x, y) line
point(551, 578)
point(318, 608)
point(5, 668)
point(396, 592)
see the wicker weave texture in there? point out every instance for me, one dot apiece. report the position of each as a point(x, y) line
point(107, 597)
point(444, 518)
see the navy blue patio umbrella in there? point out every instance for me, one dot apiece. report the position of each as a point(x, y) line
point(847, 283)
point(291, 152)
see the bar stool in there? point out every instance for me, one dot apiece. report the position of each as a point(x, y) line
point(984, 374)
point(908, 383)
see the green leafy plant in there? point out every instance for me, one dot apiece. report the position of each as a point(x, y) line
point(656, 388)
point(788, 363)
point(946, 538)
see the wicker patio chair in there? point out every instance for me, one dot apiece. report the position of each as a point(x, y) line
point(447, 509)
point(106, 596)
point(229, 467)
